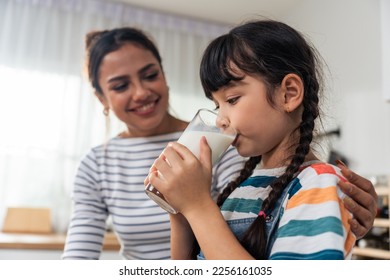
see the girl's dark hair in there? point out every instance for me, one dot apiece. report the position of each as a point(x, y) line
point(100, 43)
point(269, 50)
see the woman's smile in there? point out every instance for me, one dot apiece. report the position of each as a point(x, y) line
point(145, 108)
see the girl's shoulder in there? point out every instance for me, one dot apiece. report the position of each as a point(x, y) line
point(317, 177)
point(319, 169)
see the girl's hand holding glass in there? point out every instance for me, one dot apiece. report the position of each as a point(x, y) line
point(184, 179)
point(217, 135)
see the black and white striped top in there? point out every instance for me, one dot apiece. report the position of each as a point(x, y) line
point(110, 181)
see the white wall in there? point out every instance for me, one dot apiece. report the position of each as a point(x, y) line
point(348, 35)
point(385, 21)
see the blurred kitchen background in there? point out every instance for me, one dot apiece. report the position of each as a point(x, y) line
point(49, 117)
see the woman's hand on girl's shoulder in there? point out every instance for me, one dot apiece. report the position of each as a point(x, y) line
point(361, 200)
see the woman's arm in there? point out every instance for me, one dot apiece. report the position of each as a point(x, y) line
point(88, 225)
point(361, 200)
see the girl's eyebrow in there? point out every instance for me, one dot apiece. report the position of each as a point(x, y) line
point(233, 84)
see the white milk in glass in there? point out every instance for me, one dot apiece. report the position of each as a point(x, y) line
point(217, 141)
point(203, 124)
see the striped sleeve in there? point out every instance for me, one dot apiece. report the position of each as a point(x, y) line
point(315, 222)
point(110, 182)
point(88, 224)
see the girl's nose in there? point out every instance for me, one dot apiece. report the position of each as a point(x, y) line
point(222, 122)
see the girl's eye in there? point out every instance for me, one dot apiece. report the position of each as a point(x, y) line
point(233, 100)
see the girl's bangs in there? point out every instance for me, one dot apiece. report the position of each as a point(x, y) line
point(215, 70)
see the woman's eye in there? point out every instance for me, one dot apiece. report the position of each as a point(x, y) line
point(120, 87)
point(151, 77)
point(233, 100)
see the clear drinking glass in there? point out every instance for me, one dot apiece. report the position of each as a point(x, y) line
point(219, 138)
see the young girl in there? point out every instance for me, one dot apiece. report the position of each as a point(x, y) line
point(285, 204)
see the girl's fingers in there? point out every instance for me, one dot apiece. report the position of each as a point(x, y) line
point(205, 153)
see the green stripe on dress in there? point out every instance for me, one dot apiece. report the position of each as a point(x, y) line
point(244, 205)
point(311, 227)
point(321, 255)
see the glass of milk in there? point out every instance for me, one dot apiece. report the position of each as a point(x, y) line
point(219, 136)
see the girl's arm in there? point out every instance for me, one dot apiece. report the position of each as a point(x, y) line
point(182, 238)
point(215, 238)
point(185, 182)
point(207, 225)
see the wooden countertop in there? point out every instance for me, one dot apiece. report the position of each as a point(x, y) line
point(47, 241)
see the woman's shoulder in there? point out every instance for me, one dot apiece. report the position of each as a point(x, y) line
point(136, 143)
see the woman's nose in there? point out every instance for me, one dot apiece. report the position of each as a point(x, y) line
point(140, 92)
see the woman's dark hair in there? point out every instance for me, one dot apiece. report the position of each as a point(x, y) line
point(100, 43)
point(269, 50)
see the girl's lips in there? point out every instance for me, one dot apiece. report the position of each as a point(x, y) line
point(235, 140)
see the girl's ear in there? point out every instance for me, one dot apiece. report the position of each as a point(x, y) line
point(293, 91)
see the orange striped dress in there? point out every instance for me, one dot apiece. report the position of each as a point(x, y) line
point(314, 222)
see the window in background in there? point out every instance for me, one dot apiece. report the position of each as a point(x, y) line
point(50, 118)
point(47, 123)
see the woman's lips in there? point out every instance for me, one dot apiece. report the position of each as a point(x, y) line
point(145, 108)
